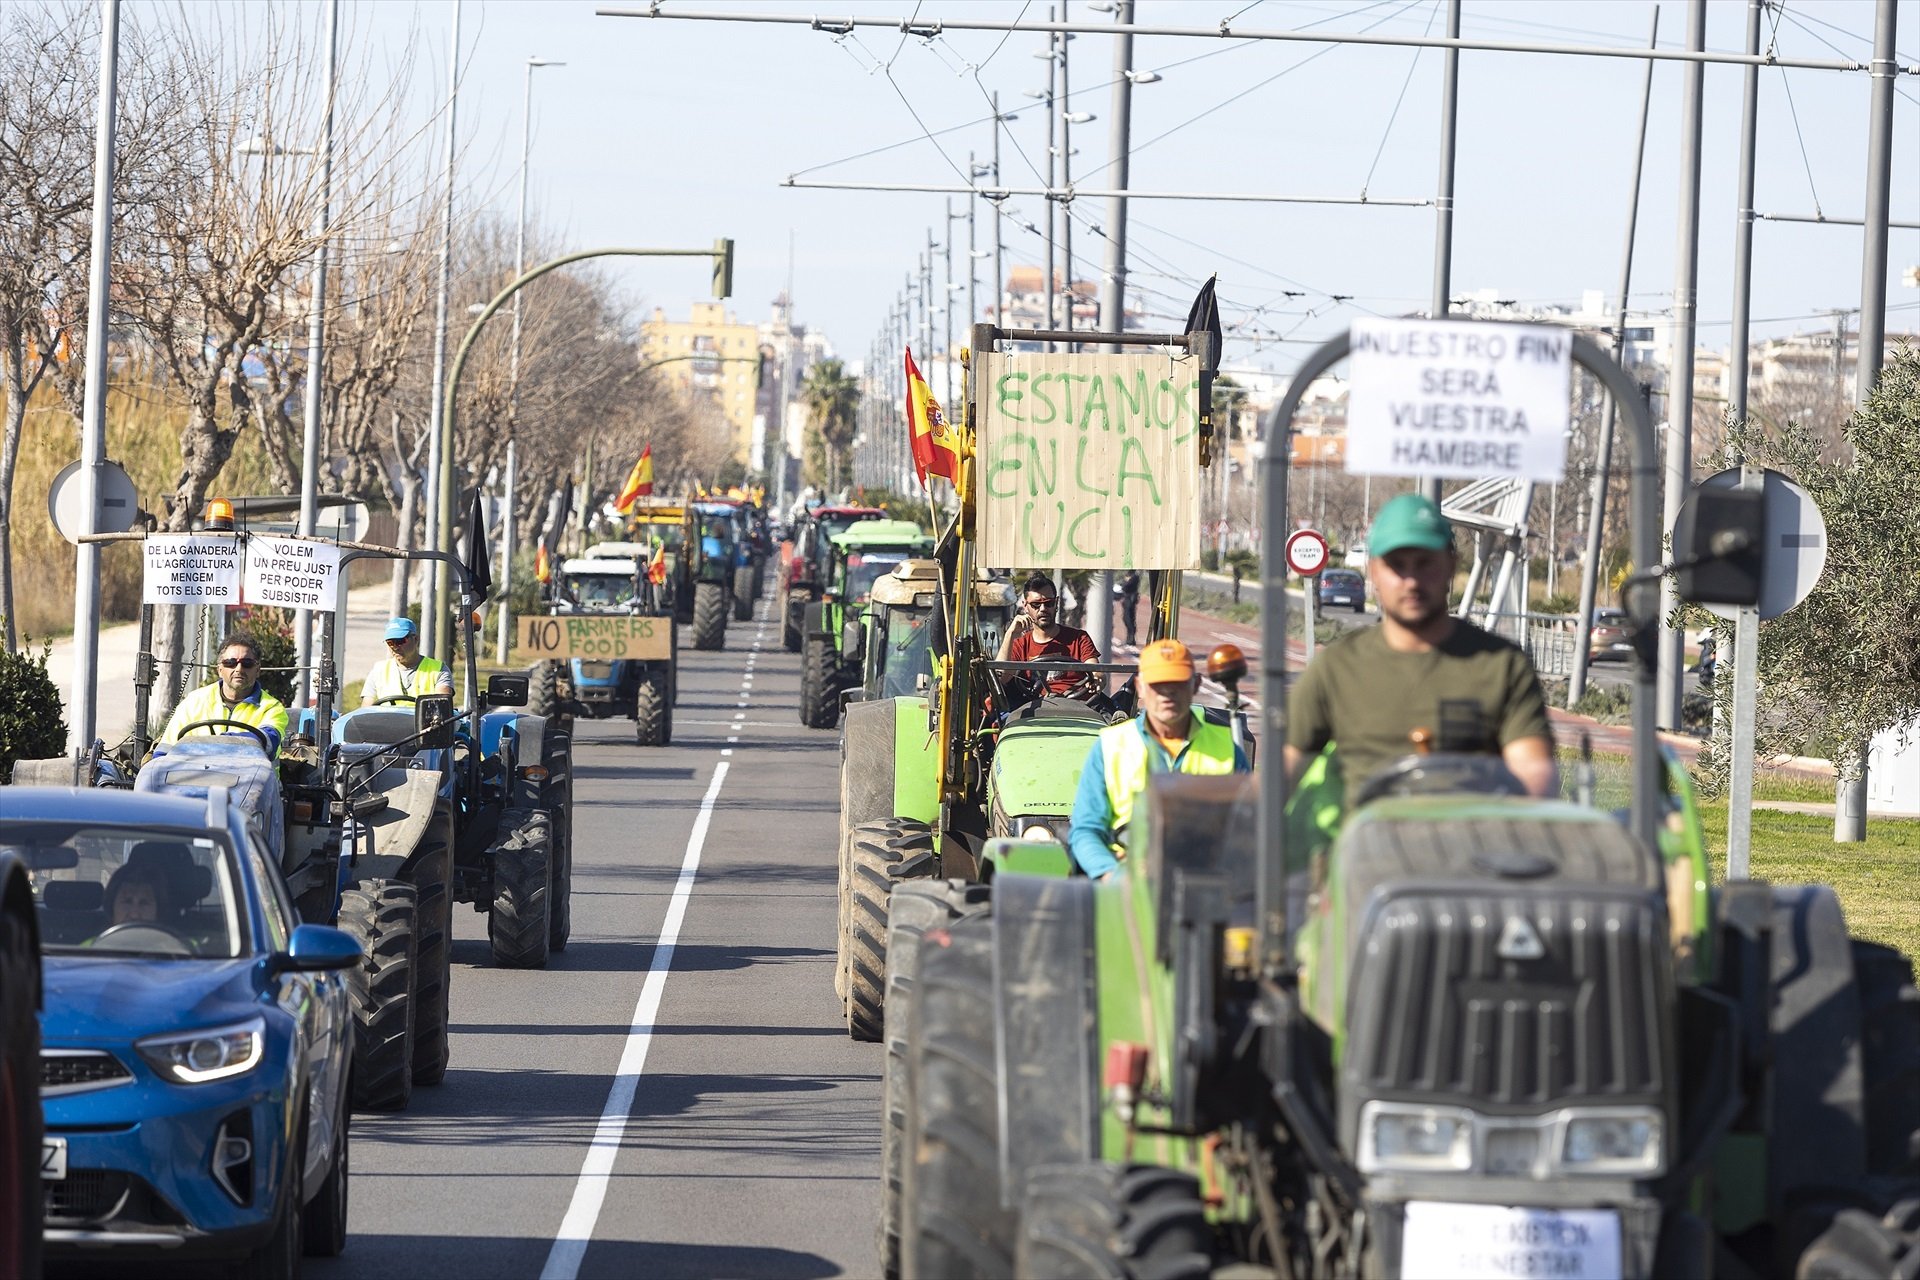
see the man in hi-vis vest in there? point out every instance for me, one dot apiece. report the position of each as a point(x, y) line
point(403, 673)
point(1168, 736)
point(236, 696)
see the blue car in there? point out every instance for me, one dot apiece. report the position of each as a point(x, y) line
point(196, 1038)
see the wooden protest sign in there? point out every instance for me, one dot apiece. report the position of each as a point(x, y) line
point(1087, 461)
point(607, 636)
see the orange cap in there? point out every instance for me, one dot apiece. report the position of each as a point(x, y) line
point(1165, 660)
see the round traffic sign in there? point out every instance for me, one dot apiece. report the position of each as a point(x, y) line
point(1306, 552)
point(67, 502)
point(1796, 546)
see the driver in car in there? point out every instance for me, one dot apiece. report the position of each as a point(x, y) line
point(137, 894)
point(236, 697)
point(1421, 668)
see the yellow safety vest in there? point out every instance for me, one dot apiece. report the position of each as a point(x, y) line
point(389, 679)
point(205, 703)
point(1209, 752)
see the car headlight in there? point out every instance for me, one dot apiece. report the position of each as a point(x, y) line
point(1415, 1139)
point(1404, 1137)
point(196, 1057)
point(1612, 1142)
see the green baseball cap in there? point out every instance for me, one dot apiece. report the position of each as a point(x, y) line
point(1409, 520)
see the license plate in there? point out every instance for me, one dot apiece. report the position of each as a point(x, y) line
point(53, 1159)
point(1494, 1242)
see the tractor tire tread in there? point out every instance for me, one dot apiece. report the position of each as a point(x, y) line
point(432, 877)
point(883, 854)
point(709, 616)
point(519, 923)
point(1113, 1222)
point(381, 914)
point(653, 711)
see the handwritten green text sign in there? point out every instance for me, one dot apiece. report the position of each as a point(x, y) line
point(609, 637)
point(1088, 461)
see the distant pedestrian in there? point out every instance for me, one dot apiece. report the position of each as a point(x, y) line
point(1128, 589)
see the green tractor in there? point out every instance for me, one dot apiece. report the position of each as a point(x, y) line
point(1478, 1034)
point(833, 626)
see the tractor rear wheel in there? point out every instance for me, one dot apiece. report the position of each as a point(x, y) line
point(380, 916)
point(709, 616)
point(1889, 1056)
point(879, 855)
point(518, 923)
point(952, 1224)
point(916, 906)
point(432, 878)
point(653, 710)
point(1112, 1222)
point(1860, 1247)
point(557, 799)
point(743, 593)
point(543, 696)
point(819, 685)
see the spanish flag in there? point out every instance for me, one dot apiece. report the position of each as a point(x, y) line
point(639, 482)
point(657, 567)
point(542, 568)
point(936, 449)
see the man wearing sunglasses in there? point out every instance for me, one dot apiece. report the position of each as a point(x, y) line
point(1037, 633)
point(236, 695)
point(403, 673)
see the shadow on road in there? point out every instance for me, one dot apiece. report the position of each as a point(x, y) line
point(634, 772)
point(507, 1258)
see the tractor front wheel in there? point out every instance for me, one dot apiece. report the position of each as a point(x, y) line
point(879, 856)
point(743, 593)
point(709, 616)
point(653, 710)
point(380, 916)
point(819, 685)
point(790, 616)
point(952, 1223)
point(1113, 1222)
point(518, 925)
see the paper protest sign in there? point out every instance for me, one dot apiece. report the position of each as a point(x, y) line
point(292, 573)
point(607, 636)
point(191, 568)
point(1087, 461)
point(1463, 398)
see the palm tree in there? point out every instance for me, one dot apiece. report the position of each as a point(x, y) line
point(832, 398)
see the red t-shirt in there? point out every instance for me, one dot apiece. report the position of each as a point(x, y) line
point(1069, 644)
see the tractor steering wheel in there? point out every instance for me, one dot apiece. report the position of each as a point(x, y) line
point(1440, 773)
point(266, 744)
point(407, 698)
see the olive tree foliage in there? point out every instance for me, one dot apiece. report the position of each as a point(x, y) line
point(1845, 663)
point(49, 85)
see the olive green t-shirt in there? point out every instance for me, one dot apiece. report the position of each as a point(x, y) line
point(1475, 691)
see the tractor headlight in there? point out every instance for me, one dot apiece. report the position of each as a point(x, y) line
point(195, 1057)
point(1407, 1137)
point(1624, 1141)
point(1414, 1139)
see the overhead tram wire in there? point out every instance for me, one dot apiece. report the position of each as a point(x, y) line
point(1774, 12)
point(1801, 20)
point(1394, 115)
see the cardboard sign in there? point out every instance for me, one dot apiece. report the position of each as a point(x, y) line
point(1088, 461)
point(293, 573)
point(609, 637)
point(1462, 398)
point(191, 568)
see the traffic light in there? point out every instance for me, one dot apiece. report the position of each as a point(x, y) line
point(723, 268)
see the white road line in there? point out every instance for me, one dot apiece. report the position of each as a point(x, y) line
point(590, 1192)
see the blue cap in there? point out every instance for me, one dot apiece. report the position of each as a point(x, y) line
point(402, 629)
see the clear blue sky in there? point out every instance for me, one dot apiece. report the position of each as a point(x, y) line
point(670, 133)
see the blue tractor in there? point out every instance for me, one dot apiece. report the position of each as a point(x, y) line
point(613, 579)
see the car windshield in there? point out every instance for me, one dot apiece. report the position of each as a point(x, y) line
point(909, 651)
point(864, 569)
point(161, 893)
point(601, 588)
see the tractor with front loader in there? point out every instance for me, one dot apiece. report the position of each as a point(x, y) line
point(834, 626)
point(1476, 1033)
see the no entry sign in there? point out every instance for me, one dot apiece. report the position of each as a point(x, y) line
point(1306, 552)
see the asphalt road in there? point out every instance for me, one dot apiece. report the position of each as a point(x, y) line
point(687, 1106)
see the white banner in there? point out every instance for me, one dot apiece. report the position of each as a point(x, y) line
point(191, 568)
point(292, 572)
point(1087, 461)
point(1462, 398)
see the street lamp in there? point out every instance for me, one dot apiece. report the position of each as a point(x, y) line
point(503, 634)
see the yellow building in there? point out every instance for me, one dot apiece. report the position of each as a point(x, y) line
point(712, 354)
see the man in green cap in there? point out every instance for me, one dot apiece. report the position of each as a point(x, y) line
point(1421, 668)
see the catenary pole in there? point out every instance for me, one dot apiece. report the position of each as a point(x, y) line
point(1603, 446)
point(316, 364)
point(440, 465)
point(1066, 177)
point(1686, 304)
point(1053, 169)
point(93, 421)
point(1850, 802)
point(1113, 284)
point(1442, 298)
point(973, 261)
point(999, 276)
point(946, 308)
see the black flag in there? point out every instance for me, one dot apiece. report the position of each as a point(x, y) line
point(479, 570)
point(1204, 317)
